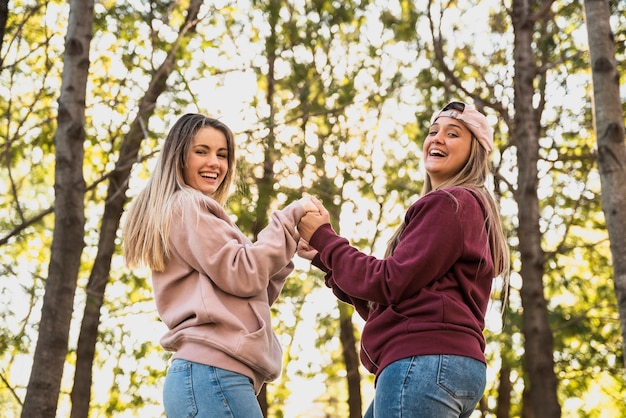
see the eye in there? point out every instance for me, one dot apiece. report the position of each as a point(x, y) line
point(222, 155)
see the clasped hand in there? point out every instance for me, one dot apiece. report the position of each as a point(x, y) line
point(316, 216)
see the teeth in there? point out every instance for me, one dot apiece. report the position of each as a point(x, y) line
point(210, 176)
point(436, 152)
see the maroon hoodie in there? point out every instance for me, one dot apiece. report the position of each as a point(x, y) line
point(430, 296)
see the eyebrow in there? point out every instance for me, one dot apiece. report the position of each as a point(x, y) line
point(449, 124)
point(208, 147)
point(454, 125)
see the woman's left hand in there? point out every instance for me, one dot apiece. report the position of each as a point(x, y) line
point(307, 203)
point(305, 250)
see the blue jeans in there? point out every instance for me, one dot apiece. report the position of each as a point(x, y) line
point(197, 390)
point(434, 386)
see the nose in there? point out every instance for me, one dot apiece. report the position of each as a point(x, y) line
point(437, 138)
point(212, 160)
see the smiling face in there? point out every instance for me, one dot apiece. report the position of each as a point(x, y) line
point(206, 164)
point(446, 149)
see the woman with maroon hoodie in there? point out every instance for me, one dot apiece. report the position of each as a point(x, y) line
point(424, 303)
point(213, 287)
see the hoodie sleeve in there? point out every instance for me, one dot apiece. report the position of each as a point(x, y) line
point(430, 244)
point(360, 305)
point(277, 282)
point(204, 236)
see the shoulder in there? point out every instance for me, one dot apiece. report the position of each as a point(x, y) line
point(191, 201)
point(459, 194)
point(451, 200)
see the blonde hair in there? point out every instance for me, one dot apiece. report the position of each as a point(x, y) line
point(473, 176)
point(146, 229)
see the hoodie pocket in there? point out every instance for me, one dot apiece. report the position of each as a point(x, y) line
point(260, 349)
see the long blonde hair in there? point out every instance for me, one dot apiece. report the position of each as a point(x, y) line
point(473, 176)
point(146, 229)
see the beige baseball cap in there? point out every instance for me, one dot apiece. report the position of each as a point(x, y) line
point(475, 121)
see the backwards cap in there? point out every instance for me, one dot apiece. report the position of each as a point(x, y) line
point(475, 121)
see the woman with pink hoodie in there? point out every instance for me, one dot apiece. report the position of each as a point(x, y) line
point(213, 287)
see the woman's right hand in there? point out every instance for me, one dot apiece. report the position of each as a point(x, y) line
point(313, 220)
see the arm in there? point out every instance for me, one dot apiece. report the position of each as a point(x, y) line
point(307, 226)
point(361, 306)
point(430, 244)
point(206, 239)
point(277, 282)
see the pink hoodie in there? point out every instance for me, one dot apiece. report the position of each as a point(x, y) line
point(216, 291)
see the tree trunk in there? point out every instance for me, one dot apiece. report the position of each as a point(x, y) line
point(349, 346)
point(266, 183)
point(538, 339)
point(504, 392)
point(115, 200)
point(69, 223)
point(609, 128)
point(351, 359)
point(4, 14)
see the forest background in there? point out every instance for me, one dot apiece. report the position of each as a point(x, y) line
point(327, 97)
